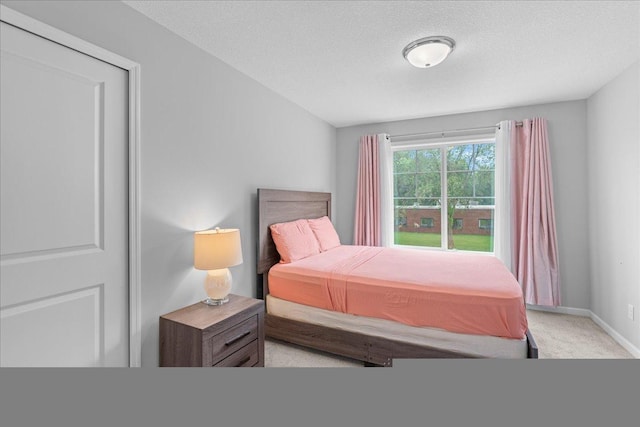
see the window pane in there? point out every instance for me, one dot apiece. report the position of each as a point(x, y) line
point(460, 184)
point(470, 197)
point(417, 192)
point(484, 183)
point(486, 158)
point(428, 160)
point(428, 185)
point(459, 157)
point(404, 161)
point(471, 157)
point(404, 185)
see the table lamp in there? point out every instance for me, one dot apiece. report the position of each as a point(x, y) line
point(215, 251)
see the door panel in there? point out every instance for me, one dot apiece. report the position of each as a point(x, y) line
point(72, 221)
point(73, 337)
point(64, 195)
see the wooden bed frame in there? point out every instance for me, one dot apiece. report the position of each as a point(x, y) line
point(276, 206)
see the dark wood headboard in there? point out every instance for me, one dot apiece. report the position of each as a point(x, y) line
point(281, 206)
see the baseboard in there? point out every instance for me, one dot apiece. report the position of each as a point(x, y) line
point(635, 352)
point(562, 310)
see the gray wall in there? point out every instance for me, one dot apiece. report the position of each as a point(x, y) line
point(568, 141)
point(614, 202)
point(210, 137)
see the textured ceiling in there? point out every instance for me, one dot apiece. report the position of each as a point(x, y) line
point(342, 60)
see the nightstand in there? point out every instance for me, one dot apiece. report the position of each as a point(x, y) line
point(231, 334)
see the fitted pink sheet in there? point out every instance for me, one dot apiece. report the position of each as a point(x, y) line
point(458, 292)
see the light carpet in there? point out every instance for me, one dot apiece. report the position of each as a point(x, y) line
point(559, 336)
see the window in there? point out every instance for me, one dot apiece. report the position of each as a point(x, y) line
point(485, 224)
point(426, 222)
point(437, 186)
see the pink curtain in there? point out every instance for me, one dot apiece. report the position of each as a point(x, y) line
point(367, 218)
point(534, 249)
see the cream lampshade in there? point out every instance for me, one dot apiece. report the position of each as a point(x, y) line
point(215, 251)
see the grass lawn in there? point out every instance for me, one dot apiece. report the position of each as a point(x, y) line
point(463, 242)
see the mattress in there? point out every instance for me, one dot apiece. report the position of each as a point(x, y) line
point(475, 345)
point(463, 293)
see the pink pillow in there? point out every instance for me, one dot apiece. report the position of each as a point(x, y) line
point(325, 233)
point(294, 240)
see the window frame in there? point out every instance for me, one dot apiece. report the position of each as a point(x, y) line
point(442, 144)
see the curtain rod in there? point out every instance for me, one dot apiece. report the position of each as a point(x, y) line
point(443, 132)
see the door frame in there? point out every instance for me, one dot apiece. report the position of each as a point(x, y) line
point(41, 29)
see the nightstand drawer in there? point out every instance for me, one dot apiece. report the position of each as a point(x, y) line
point(234, 338)
point(246, 356)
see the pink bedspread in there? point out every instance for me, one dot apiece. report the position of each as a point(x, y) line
point(458, 292)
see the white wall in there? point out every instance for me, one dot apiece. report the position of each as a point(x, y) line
point(568, 143)
point(613, 115)
point(210, 137)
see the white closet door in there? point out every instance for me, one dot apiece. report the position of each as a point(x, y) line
point(64, 213)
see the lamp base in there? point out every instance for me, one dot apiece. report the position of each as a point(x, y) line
point(217, 285)
point(211, 301)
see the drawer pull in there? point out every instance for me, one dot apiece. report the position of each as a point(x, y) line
point(237, 338)
point(245, 360)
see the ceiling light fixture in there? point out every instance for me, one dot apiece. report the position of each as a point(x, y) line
point(429, 51)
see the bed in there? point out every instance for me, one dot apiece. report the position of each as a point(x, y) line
point(365, 303)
